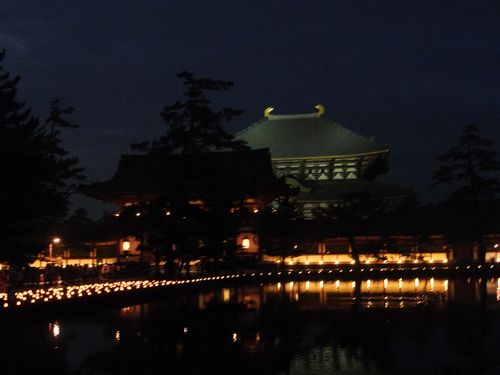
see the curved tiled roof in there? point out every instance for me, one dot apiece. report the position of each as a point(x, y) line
point(249, 172)
point(306, 135)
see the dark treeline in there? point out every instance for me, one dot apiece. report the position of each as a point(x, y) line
point(37, 175)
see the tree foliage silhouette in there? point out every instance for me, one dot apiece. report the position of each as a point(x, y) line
point(470, 167)
point(193, 126)
point(36, 174)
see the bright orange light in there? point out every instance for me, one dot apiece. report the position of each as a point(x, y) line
point(245, 243)
point(126, 245)
point(56, 240)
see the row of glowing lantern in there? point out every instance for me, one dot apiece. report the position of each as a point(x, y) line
point(368, 261)
point(32, 296)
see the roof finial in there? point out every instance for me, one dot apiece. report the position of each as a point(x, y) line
point(267, 111)
point(321, 109)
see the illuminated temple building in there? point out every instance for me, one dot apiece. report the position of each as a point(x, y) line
point(329, 163)
point(325, 160)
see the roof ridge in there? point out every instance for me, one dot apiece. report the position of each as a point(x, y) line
point(294, 116)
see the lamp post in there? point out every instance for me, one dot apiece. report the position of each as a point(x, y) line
point(55, 241)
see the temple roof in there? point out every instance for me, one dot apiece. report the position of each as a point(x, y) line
point(151, 175)
point(306, 135)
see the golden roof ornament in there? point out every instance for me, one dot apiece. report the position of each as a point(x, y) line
point(267, 111)
point(321, 109)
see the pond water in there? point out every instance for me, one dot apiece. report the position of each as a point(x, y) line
point(412, 326)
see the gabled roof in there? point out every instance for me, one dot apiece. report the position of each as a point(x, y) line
point(306, 135)
point(249, 172)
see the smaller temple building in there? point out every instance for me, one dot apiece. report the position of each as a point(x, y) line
point(239, 181)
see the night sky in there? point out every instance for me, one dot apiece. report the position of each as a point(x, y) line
point(411, 74)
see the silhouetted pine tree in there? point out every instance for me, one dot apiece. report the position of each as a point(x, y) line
point(193, 126)
point(35, 174)
point(470, 167)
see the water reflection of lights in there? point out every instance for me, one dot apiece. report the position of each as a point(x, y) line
point(339, 294)
point(55, 329)
point(226, 295)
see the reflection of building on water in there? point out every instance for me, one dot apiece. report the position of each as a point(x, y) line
point(326, 359)
point(343, 294)
point(368, 293)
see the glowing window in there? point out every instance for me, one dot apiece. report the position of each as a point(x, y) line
point(245, 243)
point(126, 245)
